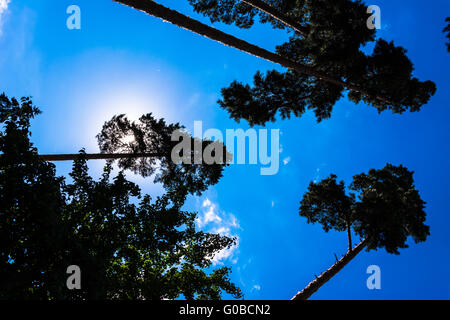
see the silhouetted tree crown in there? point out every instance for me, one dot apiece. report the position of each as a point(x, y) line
point(31, 204)
point(384, 207)
point(128, 245)
point(152, 136)
point(447, 29)
point(328, 204)
point(335, 32)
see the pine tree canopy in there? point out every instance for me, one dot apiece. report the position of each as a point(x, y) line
point(151, 136)
point(334, 33)
point(383, 207)
point(127, 245)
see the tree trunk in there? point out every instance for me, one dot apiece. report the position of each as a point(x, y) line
point(314, 285)
point(349, 236)
point(95, 156)
point(154, 9)
point(276, 14)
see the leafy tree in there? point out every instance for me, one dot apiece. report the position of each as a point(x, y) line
point(127, 245)
point(149, 250)
point(447, 29)
point(384, 209)
point(31, 204)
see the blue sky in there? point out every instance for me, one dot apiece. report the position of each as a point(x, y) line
point(123, 61)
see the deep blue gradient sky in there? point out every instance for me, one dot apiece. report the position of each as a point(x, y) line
point(123, 61)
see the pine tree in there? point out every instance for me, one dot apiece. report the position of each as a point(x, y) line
point(383, 208)
point(145, 147)
point(329, 36)
point(151, 136)
point(306, 70)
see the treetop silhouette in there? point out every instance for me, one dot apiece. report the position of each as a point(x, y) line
point(332, 34)
point(150, 136)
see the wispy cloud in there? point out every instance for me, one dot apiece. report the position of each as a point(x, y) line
point(256, 287)
point(209, 215)
point(317, 177)
point(4, 5)
point(3, 8)
point(214, 220)
point(286, 160)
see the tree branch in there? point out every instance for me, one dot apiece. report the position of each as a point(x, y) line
point(96, 156)
point(276, 14)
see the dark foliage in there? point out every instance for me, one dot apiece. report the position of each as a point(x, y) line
point(127, 245)
point(241, 14)
point(31, 204)
point(336, 30)
point(327, 203)
point(151, 136)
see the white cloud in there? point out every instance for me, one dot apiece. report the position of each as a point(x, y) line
point(286, 160)
point(256, 287)
point(3, 9)
point(214, 220)
point(209, 215)
point(227, 254)
point(4, 5)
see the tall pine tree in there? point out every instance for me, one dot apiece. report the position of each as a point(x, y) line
point(322, 61)
point(383, 208)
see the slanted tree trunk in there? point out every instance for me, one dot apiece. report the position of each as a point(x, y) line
point(276, 14)
point(95, 156)
point(154, 9)
point(314, 285)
